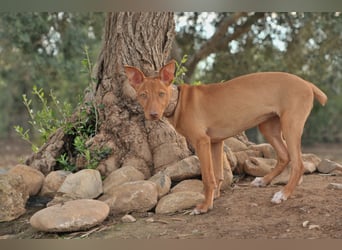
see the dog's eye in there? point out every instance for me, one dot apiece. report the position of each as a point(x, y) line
point(143, 95)
point(162, 94)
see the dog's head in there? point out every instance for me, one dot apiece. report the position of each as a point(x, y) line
point(153, 93)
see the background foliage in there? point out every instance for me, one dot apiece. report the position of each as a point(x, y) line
point(46, 50)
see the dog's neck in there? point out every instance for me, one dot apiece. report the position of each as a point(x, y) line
point(170, 109)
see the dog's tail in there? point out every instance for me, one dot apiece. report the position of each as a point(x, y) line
point(319, 95)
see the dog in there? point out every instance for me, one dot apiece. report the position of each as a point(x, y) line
point(278, 103)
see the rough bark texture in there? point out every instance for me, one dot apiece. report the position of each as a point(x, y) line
point(143, 40)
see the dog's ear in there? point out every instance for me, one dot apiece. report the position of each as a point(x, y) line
point(135, 76)
point(167, 73)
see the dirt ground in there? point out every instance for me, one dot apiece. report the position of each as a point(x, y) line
point(244, 212)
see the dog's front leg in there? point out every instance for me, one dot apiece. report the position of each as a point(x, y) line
point(203, 152)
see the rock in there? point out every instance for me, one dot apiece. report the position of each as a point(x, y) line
point(60, 198)
point(168, 147)
point(258, 167)
point(120, 176)
point(166, 153)
point(283, 178)
point(53, 182)
point(327, 166)
point(3, 170)
point(242, 157)
point(13, 196)
point(266, 150)
point(230, 157)
point(139, 164)
point(305, 223)
point(70, 216)
point(32, 178)
point(178, 201)
point(192, 185)
point(128, 218)
point(163, 183)
point(136, 196)
point(227, 175)
point(235, 145)
point(335, 186)
point(85, 184)
point(185, 169)
point(310, 161)
point(314, 227)
point(309, 167)
point(311, 158)
point(108, 165)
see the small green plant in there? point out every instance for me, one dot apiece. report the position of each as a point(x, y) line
point(64, 162)
point(54, 114)
point(180, 70)
point(44, 121)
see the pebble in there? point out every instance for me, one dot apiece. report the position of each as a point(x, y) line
point(128, 218)
point(305, 223)
point(335, 186)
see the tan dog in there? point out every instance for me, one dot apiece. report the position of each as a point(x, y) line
point(279, 103)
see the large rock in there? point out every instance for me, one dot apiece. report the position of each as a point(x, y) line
point(85, 184)
point(178, 201)
point(227, 175)
point(242, 157)
point(163, 183)
point(232, 160)
point(185, 169)
point(310, 161)
point(136, 196)
point(13, 196)
point(235, 145)
point(120, 176)
point(70, 216)
point(165, 154)
point(52, 182)
point(256, 166)
point(192, 185)
point(266, 150)
point(327, 166)
point(32, 178)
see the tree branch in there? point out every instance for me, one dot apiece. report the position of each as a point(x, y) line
point(220, 40)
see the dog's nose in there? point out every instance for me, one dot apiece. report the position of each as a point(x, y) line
point(154, 115)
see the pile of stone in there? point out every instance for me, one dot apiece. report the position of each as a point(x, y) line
point(82, 200)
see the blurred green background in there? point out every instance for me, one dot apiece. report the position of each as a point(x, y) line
point(46, 50)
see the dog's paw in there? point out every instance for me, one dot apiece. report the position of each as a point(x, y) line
point(278, 197)
point(201, 209)
point(195, 212)
point(258, 182)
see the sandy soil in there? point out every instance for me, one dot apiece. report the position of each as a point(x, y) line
point(244, 212)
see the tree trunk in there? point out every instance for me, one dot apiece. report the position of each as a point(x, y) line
point(143, 40)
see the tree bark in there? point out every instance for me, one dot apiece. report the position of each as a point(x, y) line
point(143, 40)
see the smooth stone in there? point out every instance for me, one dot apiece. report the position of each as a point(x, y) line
point(70, 216)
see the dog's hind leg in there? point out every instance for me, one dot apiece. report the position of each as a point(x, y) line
point(271, 130)
point(217, 157)
point(292, 127)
